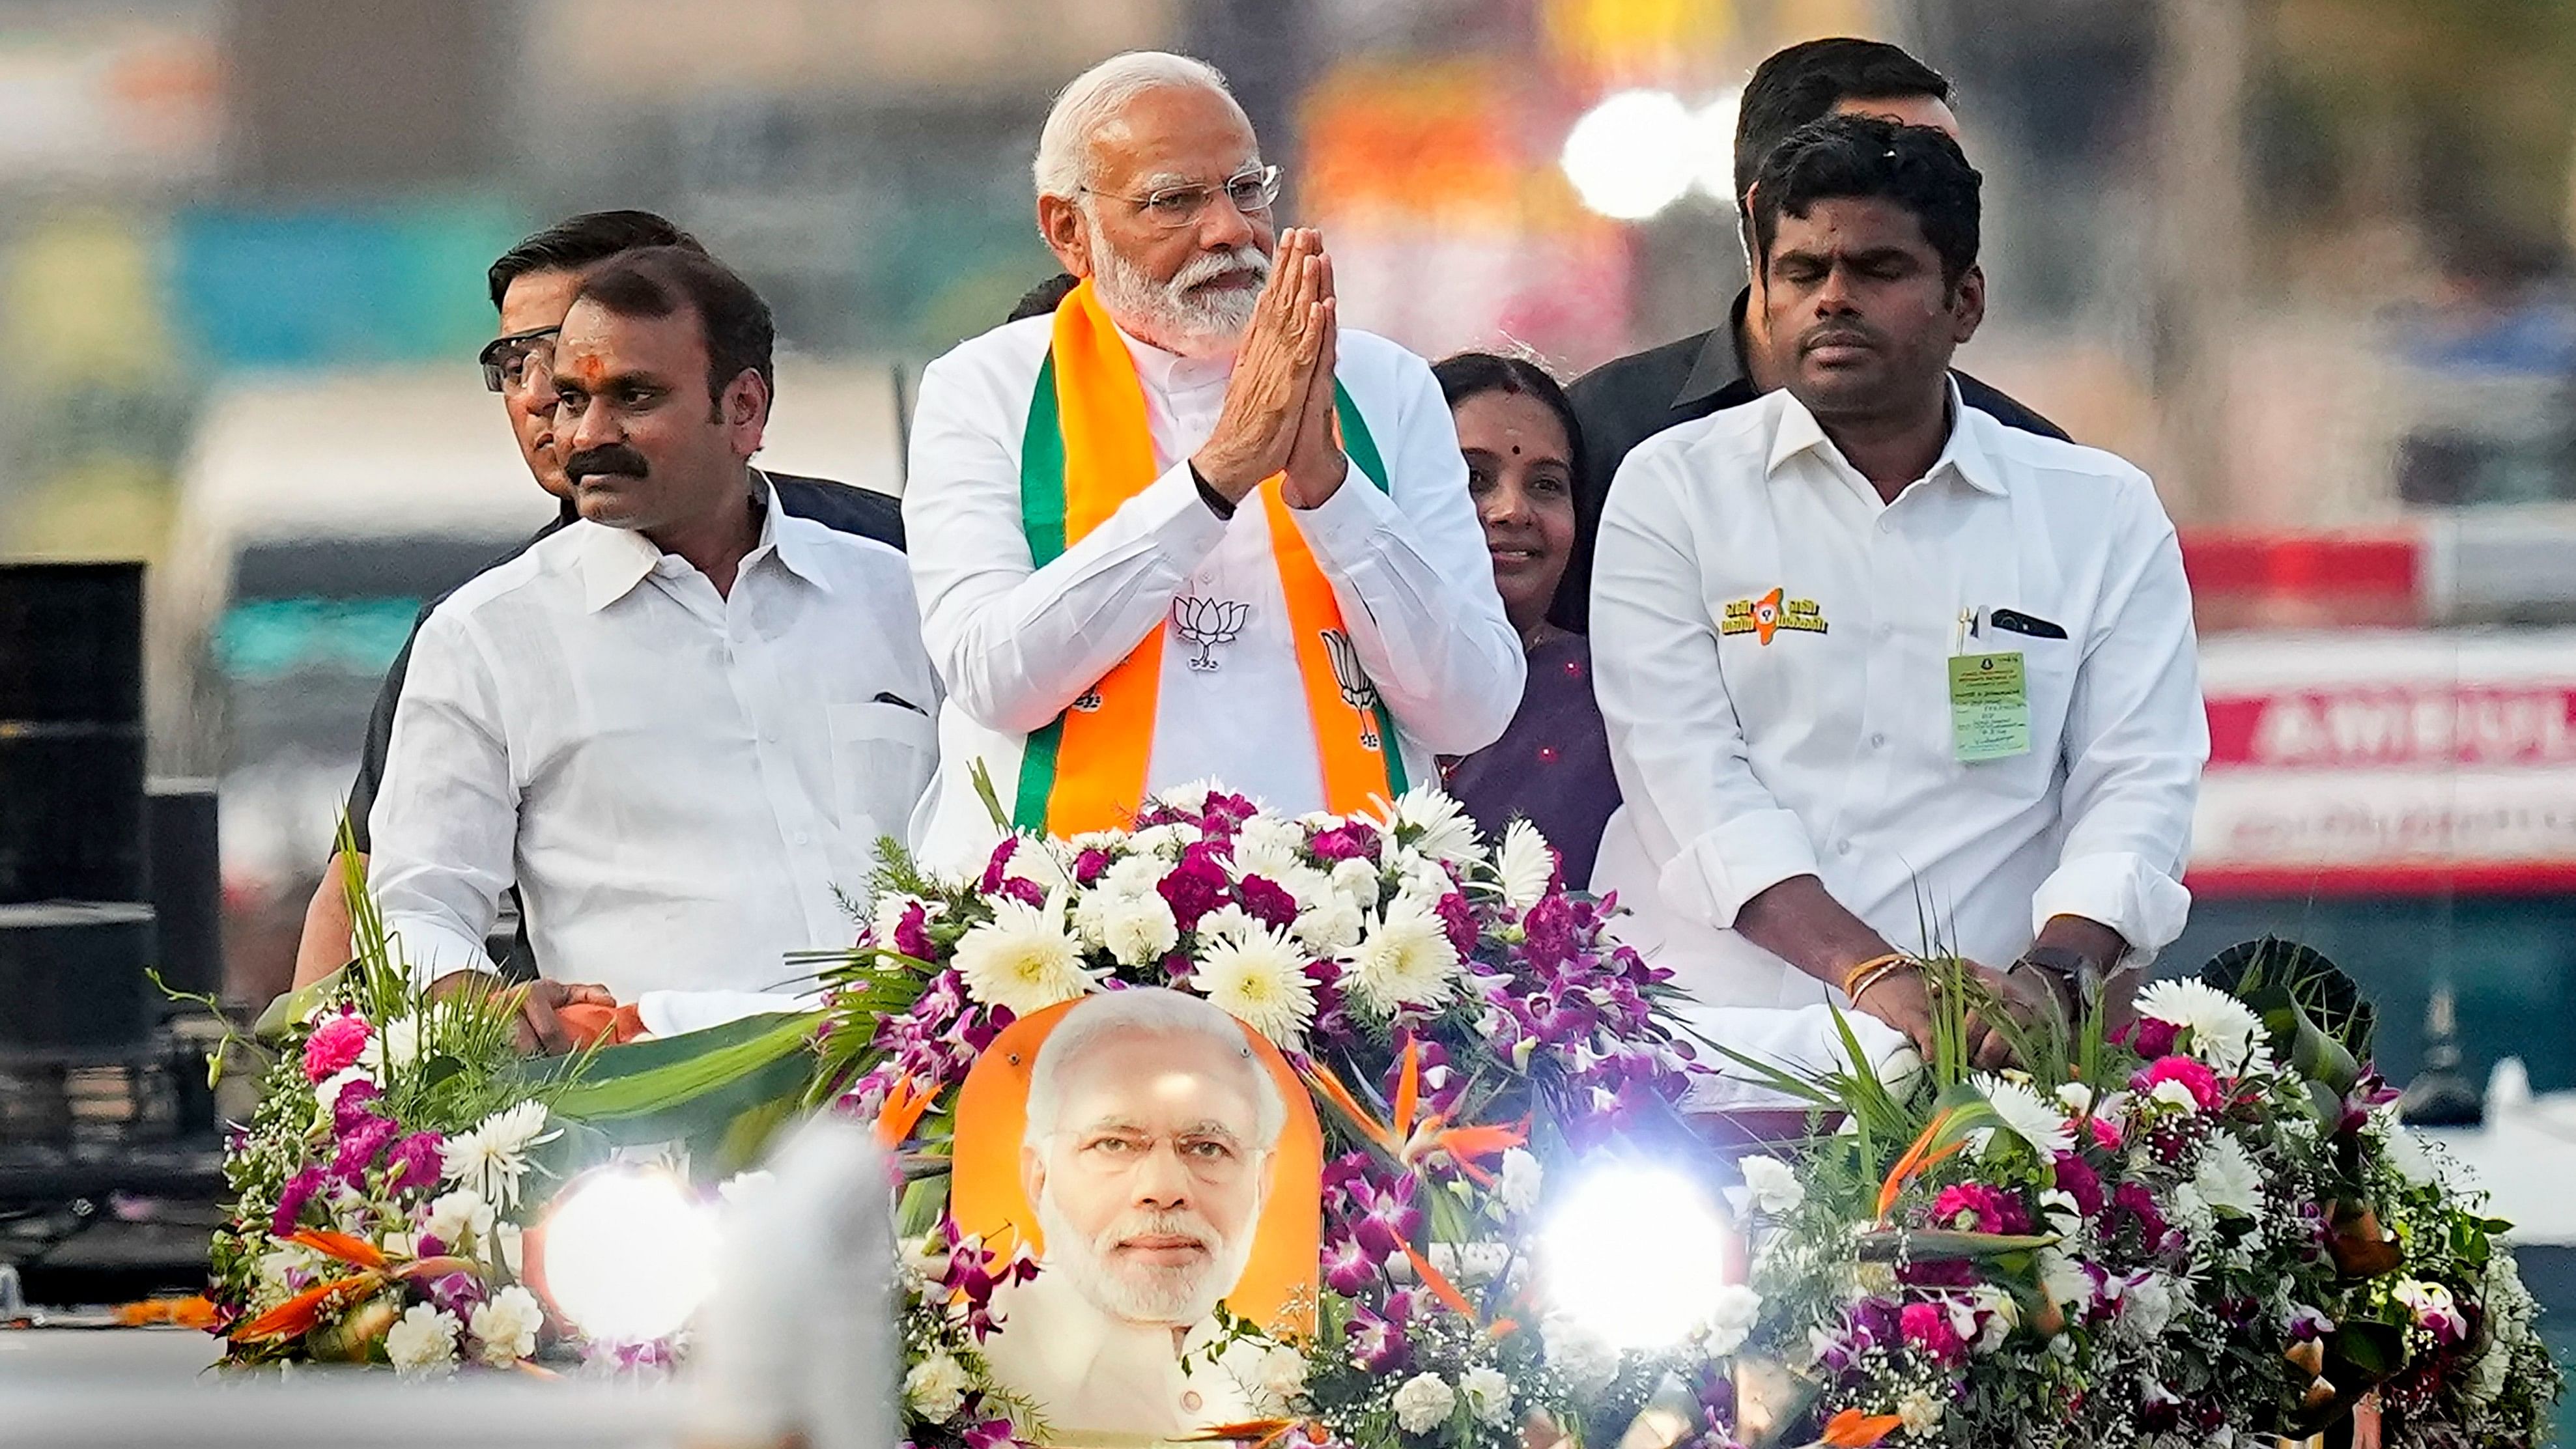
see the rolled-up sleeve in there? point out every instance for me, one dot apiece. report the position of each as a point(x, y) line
point(446, 816)
point(1675, 740)
point(1016, 643)
point(1414, 581)
point(2136, 739)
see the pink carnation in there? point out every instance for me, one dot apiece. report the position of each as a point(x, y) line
point(1975, 1207)
point(335, 1046)
point(2199, 1080)
point(1926, 1326)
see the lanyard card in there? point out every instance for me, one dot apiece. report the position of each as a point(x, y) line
point(1989, 707)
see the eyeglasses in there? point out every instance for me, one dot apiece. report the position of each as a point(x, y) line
point(512, 363)
point(1251, 189)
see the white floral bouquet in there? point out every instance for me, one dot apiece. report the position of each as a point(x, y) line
point(2210, 1231)
point(1465, 1025)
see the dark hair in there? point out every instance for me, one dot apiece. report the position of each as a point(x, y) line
point(1043, 298)
point(1463, 375)
point(1916, 167)
point(580, 241)
point(1804, 83)
point(661, 281)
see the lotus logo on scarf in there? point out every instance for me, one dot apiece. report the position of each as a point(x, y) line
point(1357, 692)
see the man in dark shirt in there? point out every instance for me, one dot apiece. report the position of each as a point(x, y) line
point(533, 285)
point(1627, 400)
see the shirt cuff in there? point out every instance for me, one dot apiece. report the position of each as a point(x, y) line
point(1184, 527)
point(1716, 874)
point(2119, 890)
point(1342, 525)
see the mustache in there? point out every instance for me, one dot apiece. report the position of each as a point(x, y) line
point(1133, 1225)
point(1839, 334)
point(1208, 267)
point(614, 458)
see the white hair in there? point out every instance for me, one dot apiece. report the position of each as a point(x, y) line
point(1093, 99)
point(1150, 1011)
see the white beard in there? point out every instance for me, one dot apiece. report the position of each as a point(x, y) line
point(1173, 316)
point(1178, 1295)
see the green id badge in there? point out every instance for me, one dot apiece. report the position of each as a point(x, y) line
point(1989, 707)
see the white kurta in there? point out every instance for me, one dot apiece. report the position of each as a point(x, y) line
point(1090, 1373)
point(1828, 750)
point(683, 785)
point(1018, 644)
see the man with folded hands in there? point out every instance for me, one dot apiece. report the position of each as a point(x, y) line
point(1884, 677)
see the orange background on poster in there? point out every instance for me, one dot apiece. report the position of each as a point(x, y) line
point(984, 1189)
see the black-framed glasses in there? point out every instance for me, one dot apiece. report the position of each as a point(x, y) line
point(506, 360)
point(1251, 190)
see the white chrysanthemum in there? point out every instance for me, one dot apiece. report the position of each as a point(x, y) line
point(458, 1216)
point(1164, 841)
point(1132, 875)
point(2026, 1116)
point(2075, 1097)
point(1526, 863)
point(1331, 928)
point(2405, 1152)
point(422, 1343)
point(2225, 1032)
point(1489, 1395)
point(1022, 959)
point(506, 1325)
point(1268, 845)
point(1191, 798)
point(1586, 1362)
point(1921, 1410)
point(935, 1388)
point(2146, 1306)
point(2228, 1178)
point(2066, 1285)
point(1404, 960)
point(1139, 929)
point(1772, 1184)
point(1282, 1373)
point(1228, 922)
point(1423, 1403)
point(1433, 823)
point(1517, 1187)
point(493, 1157)
point(1260, 980)
point(392, 1047)
point(1036, 862)
point(1733, 1310)
point(1420, 881)
point(1359, 882)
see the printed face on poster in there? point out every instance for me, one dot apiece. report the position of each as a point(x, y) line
point(1159, 1158)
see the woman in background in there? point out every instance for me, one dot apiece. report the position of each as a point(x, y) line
point(1552, 765)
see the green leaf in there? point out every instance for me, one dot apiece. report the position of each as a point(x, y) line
point(2371, 1351)
point(1941, 1245)
point(290, 1007)
point(690, 1085)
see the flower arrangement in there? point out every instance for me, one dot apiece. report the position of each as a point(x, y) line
point(383, 1185)
point(1464, 1023)
point(2207, 1231)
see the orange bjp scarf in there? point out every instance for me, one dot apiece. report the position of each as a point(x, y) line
point(1086, 451)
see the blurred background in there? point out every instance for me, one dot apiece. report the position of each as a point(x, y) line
point(2307, 261)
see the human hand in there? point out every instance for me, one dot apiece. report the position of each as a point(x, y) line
point(538, 1029)
point(1316, 463)
point(1265, 399)
point(1903, 1000)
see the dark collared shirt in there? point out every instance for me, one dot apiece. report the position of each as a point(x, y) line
point(1627, 400)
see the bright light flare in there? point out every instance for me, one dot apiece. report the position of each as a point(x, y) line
point(1633, 155)
point(1713, 146)
point(629, 1254)
point(1635, 1256)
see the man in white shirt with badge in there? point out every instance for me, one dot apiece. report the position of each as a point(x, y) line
point(1187, 527)
point(1882, 676)
point(681, 724)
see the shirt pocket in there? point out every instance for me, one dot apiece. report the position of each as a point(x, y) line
point(2048, 674)
point(882, 757)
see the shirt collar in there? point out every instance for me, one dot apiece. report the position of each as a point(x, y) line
point(1720, 363)
point(614, 560)
point(1169, 372)
point(1798, 431)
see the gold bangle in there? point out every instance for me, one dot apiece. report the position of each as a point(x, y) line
point(1872, 966)
point(1870, 982)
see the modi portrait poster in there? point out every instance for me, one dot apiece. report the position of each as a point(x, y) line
point(1160, 1160)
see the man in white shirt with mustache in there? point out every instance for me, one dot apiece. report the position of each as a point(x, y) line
point(1152, 1133)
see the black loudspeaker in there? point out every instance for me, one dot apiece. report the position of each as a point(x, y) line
point(71, 732)
point(187, 884)
point(71, 973)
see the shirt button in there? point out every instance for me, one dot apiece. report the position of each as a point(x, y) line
point(1886, 629)
point(1876, 742)
point(802, 837)
point(1842, 847)
point(1190, 1400)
